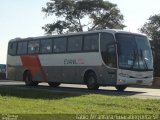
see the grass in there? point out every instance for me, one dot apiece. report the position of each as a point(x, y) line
point(32, 101)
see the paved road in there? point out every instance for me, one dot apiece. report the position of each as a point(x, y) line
point(143, 93)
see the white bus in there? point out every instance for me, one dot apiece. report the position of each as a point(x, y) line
point(95, 58)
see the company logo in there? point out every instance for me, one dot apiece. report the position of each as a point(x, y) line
point(73, 61)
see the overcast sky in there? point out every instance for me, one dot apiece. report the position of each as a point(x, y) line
point(23, 18)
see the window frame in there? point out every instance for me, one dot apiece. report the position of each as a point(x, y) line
point(15, 52)
point(22, 46)
point(40, 49)
point(97, 40)
point(38, 52)
point(66, 37)
point(78, 51)
point(53, 43)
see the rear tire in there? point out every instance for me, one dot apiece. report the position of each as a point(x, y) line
point(28, 79)
point(54, 84)
point(121, 88)
point(91, 81)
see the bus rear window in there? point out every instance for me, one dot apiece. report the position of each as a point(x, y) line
point(12, 48)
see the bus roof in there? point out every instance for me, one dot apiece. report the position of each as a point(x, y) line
point(113, 31)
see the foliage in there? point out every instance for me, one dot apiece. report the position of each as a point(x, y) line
point(152, 29)
point(78, 15)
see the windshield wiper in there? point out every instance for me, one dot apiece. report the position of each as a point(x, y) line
point(142, 57)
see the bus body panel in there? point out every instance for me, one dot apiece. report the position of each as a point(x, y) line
point(61, 68)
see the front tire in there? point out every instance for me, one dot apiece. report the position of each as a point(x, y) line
point(54, 84)
point(121, 88)
point(28, 79)
point(92, 82)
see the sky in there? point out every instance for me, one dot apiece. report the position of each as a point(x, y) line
point(23, 18)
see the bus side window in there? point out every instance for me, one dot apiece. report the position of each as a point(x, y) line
point(46, 46)
point(12, 48)
point(33, 47)
point(75, 44)
point(91, 42)
point(22, 48)
point(60, 45)
point(108, 50)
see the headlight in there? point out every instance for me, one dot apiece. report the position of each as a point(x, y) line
point(121, 81)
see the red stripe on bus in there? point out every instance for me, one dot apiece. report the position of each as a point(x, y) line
point(32, 63)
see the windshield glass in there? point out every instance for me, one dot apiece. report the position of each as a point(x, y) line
point(134, 52)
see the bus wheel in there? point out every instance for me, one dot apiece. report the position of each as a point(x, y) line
point(121, 88)
point(92, 81)
point(54, 84)
point(28, 79)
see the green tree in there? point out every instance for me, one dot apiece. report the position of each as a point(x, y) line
point(152, 29)
point(80, 15)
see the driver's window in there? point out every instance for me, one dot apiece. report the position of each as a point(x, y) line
point(108, 50)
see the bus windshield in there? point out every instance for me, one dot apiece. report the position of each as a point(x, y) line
point(134, 52)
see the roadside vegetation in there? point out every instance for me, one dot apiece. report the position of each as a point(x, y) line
point(16, 101)
point(34, 101)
